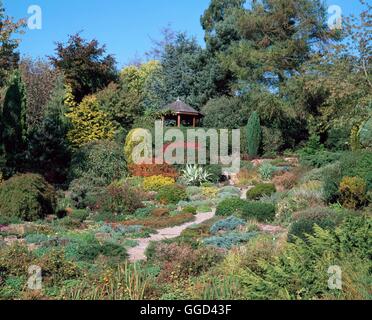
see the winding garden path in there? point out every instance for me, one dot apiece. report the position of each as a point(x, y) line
point(138, 252)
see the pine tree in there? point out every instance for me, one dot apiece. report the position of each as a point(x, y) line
point(14, 133)
point(254, 134)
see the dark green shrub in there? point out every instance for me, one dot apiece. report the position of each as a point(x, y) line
point(306, 220)
point(258, 210)
point(331, 181)
point(27, 197)
point(272, 140)
point(171, 194)
point(119, 200)
point(254, 134)
point(80, 215)
point(84, 192)
point(231, 206)
point(358, 164)
point(246, 209)
point(320, 159)
point(260, 190)
point(189, 209)
point(338, 138)
point(215, 171)
point(112, 250)
point(100, 159)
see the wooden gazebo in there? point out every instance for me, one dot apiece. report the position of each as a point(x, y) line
point(182, 114)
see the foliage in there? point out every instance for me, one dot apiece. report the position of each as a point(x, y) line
point(180, 261)
point(119, 200)
point(8, 43)
point(229, 240)
point(286, 181)
point(354, 138)
point(195, 175)
point(358, 164)
point(89, 123)
point(155, 183)
point(266, 170)
point(320, 159)
point(254, 134)
point(353, 192)
point(125, 102)
point(272, 140)
point(48, 151)
point(232, 206)
point(224, 113)
point(149, 170)
point(260, 190)
point(84, 65)
point(215, 172)
point(246, 209)
point(28, 197)
point(230, 190)
point(162, 222)
point(131, 142)
point(308, 262)
point(229, 224)
point(126, 282)
point(188, 72)
point(248, 177)
point(306, 220)
point(98, 160)
point(209, 192)
point(41, 81)
point(189, 209)
point(171, 194)
point(14, 126)
point(365, 134)
point(258, 210)
point(84, 191)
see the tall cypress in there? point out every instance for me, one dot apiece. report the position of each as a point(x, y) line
point(14, 131)
point(254, 134)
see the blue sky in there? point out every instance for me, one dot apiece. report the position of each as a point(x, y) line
point(125, 26)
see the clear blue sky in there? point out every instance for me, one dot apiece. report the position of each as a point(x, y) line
point(125, 26)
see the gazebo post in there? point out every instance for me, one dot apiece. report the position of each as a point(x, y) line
point(194, 122)
point(179, 121)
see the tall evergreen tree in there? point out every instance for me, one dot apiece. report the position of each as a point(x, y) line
point(254, 134)
point(187, 72)
point(14, 133)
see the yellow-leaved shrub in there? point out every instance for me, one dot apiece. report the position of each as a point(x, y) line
point(89, 123)
point(155, 183)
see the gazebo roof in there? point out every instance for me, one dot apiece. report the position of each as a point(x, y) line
point(180, 107)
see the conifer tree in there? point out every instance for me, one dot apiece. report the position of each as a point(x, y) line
point(14, 131)
point(254, 134)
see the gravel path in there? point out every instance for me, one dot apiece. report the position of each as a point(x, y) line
point(138, 252)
